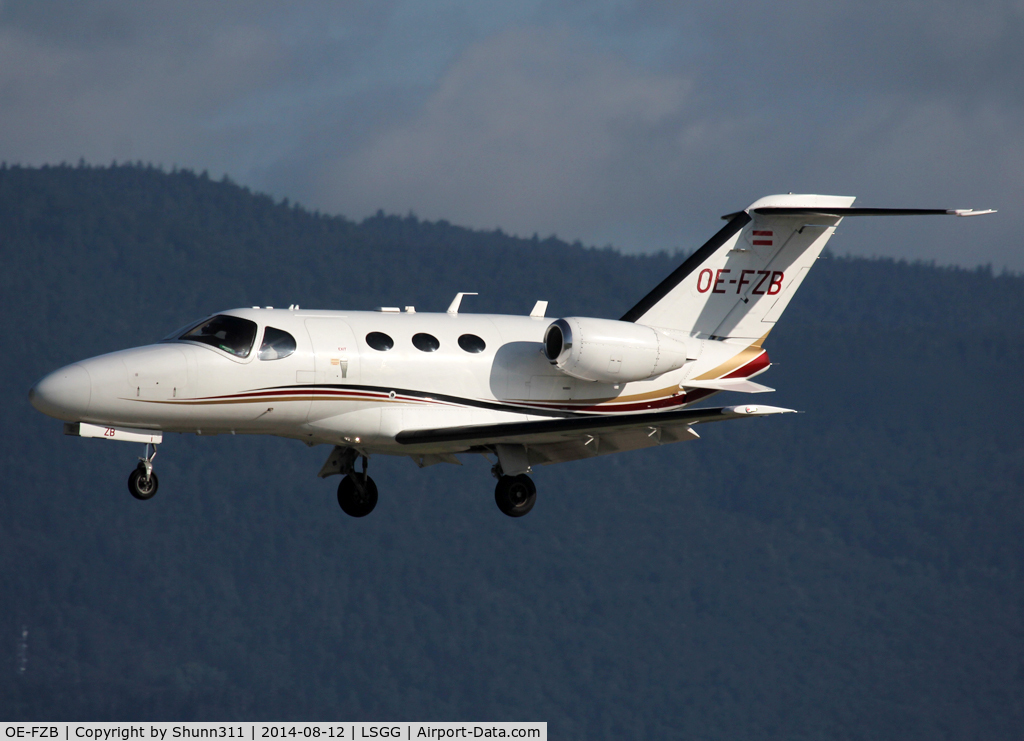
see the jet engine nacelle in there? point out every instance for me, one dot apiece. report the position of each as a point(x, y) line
point(611, 351)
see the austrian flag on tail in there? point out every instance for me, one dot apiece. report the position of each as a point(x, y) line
point(763, 236)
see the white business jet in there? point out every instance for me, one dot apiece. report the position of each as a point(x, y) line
point(523, 390)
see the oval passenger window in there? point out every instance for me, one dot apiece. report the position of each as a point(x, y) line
point(425, 342)
point(379, 341)
point(472, 343)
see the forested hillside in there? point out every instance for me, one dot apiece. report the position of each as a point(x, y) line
point(856, 571)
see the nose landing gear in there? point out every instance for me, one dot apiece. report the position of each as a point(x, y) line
point(357, 493)
point(143, 483)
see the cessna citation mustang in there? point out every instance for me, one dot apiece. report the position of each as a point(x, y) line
point(523, 389)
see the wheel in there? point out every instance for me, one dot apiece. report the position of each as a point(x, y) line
point(142, 486)
point(357, 495)
point(515, 495)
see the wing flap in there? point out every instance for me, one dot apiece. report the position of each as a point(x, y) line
point(557, 431)
point(589, 446)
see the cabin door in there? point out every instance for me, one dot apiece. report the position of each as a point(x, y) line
point(334, 346)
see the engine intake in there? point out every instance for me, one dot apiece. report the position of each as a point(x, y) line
point(611, 351)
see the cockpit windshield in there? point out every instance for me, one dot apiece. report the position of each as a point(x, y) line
point(231, 334)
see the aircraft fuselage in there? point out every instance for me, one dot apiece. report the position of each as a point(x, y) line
point(335, 388)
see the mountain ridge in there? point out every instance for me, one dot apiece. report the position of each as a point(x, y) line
point(853, 571)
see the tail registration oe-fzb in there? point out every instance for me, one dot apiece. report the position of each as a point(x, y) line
point(523, 390)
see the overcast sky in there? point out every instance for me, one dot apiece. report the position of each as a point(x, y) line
point(635, 124)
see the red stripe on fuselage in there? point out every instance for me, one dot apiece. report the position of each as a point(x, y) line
point(306, 392)
point(314, 393)
point(757, 364)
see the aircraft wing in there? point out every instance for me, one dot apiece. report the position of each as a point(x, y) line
point(557, 440)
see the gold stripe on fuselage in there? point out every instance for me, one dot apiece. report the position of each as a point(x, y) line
point(630, 398)
point(739, 359)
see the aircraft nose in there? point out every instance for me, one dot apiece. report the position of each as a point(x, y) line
point(64, 394)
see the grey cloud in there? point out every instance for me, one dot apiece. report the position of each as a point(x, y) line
point(633, 123)
point(528, 130)
point(538, 131)
point(949, 47)
point(154, 99)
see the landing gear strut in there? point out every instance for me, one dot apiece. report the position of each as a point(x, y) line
point(143, 483)
point(357, 494)
point(515, 495)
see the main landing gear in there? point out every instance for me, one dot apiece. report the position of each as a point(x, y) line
point(357, 494)
point(143, 483)
point(515, 495)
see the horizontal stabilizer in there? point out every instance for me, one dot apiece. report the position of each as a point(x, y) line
point(740, 385)
point(825, 211)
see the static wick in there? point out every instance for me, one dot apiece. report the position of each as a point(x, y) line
point(23, 650)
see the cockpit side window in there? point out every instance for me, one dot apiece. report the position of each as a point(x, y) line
point(231, 334)
point(277, 344)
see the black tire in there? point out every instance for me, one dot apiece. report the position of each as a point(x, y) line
point(515, 495)
point(141, 486)
point(357, 495)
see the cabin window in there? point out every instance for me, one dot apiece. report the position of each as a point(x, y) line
point(277, 344)
point(425, 342)
point(472, 343)
point(231, 334)
point(379, 341)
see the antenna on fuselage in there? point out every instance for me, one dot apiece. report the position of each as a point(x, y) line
point(457, 301)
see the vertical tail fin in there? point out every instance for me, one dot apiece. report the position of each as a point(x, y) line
point(739, 282)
